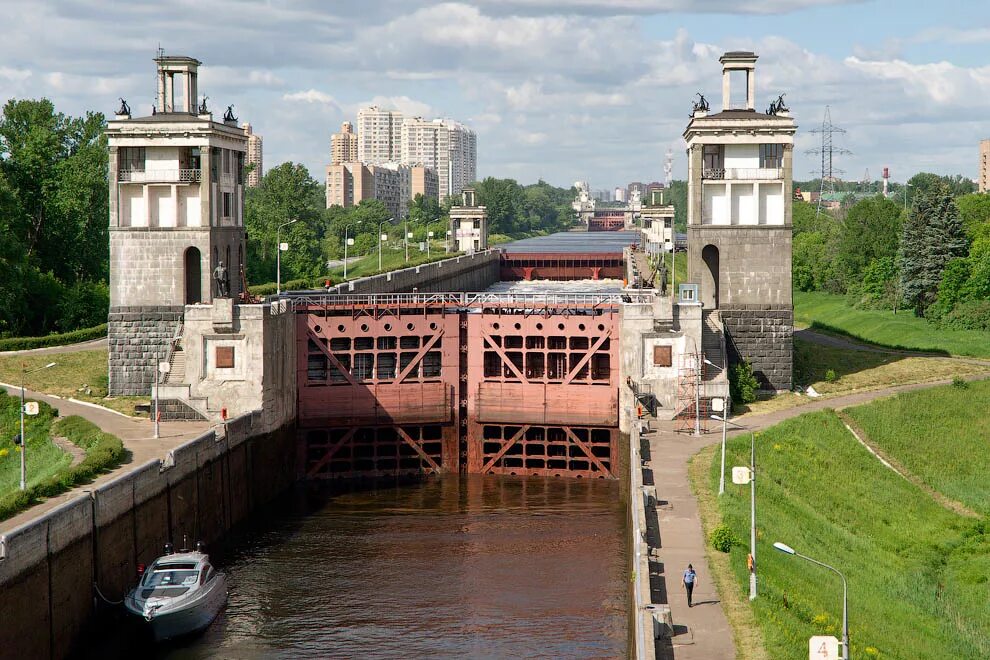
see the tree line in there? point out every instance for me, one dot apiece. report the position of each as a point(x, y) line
point(288, 192)
point(54, 249)
point(925, 248)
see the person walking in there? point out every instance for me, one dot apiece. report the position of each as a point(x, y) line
point(690, 580)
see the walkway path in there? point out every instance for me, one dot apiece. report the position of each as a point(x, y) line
point(703, 632)
point(90, 345)
point(136, 434)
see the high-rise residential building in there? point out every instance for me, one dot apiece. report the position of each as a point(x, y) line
point(344, 145)
point(450, 148)
point(379, 135)
point(424, 181)
point(351, 183)
point(620, 194)
point(254, 157)
point(984, 175)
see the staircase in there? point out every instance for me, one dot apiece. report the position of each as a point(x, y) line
point(712, 344)
point(177, 367)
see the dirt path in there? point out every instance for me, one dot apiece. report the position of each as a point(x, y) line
point(846, 343)
point(71, 448)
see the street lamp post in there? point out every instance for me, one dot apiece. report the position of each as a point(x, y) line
point(726, 405)
point(906, 186)
point(24, 374)
point(347, 241)
point(381, 239)
point(429, 237)
point(845, 593)
point(752, 502)
point(406, 239)
point(278, 254)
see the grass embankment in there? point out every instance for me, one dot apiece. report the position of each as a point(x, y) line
point(81, 375)
point(941, 436)
point(884, 328)
point(917, 571)
point(857, 371)
point(49, 469)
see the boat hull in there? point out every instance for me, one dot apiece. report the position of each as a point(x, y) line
point(187, 618)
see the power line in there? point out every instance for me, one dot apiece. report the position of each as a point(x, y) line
point(827, 152)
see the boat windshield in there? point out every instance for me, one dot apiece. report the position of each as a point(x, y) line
point(170, 576)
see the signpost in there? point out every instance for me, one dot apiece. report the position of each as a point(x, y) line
point(823, 647)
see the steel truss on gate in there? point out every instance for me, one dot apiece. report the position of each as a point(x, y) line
point(692, 408)
point(372, 451)
point(547, 451)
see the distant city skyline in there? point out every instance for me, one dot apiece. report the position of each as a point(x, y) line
point(533, 78)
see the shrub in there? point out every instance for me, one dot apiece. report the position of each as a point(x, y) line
point(967, 315)
point(74, 337)
point(960, 383)
point(722, 538)
point(742, 383)
point(830, 376)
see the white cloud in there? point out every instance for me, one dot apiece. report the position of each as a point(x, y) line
point(407, 106)
point(314, 96)
point(669, 6)
point(940, 82)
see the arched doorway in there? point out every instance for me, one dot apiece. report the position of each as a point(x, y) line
point(709, 288)
point(194, 278)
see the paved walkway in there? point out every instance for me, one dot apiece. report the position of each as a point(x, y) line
point(91, 345)
point(702, 632)
point(136, 434)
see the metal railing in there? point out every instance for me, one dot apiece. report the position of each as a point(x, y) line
point(160, 176)
point(467, 299)
point(743, 173)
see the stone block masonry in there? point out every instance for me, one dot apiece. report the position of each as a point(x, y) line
point(763, 336)
point(138, 337)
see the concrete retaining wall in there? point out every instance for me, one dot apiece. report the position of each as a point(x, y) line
point(201, 489)
point(475, 272)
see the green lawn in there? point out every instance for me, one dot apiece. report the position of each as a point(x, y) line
point(902, 330)
point(44, 459)
point(941, 435)
point(917, 572)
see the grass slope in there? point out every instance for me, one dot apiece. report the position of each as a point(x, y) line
point(903, 330)
point(941, 435)
point(80, 374)
point(917, 572)
point(44, 459)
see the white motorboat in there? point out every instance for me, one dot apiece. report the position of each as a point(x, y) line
point(180, 593)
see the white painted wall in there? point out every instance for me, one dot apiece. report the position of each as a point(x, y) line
point(132, 210)
point(744, 156)
point(161, 158)
point(190, 210)
point(716, 205)
point(743, 204)
point(771, 204)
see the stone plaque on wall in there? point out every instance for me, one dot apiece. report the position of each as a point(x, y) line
point(661, 356)
point(225, 357)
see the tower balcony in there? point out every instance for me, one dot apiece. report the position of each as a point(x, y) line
point(743, 174)
point(160, 176)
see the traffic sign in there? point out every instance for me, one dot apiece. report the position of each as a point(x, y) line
point(740, 475)
point(823, 648)
point(284, 247)
point(31, 408)
point(718, 404)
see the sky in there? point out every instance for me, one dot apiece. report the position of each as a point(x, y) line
point(563, 90)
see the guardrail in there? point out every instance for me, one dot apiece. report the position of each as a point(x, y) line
point(742, 174)
point(466, 299)
point(160, 176)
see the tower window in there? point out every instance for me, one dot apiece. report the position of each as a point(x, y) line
point(771, 156)
point(713, 161)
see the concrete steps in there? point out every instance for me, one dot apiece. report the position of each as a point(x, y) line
point(177, 367)
point(711, 343)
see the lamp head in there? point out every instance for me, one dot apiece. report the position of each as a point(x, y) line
point(783, 547)
point(49, 365)
point(717, 418)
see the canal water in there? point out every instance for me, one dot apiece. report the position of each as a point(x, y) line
point(476, 566)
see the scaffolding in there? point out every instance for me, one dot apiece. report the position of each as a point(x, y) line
point(693, 408)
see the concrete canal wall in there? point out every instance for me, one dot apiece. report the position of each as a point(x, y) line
point(201, 489)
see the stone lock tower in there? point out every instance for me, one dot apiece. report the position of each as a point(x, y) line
point(739, 220)
point(176, 185)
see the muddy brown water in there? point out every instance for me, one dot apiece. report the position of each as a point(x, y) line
point(475, 566)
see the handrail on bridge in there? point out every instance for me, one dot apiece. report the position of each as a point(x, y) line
point(466, 299)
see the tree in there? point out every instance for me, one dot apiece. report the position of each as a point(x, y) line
point(285, 193)
point(974, 210)
point(503, 200)
point(931, 238)
point(871, 230)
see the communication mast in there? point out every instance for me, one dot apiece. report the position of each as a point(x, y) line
point(668, 169)
point(827, 152)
